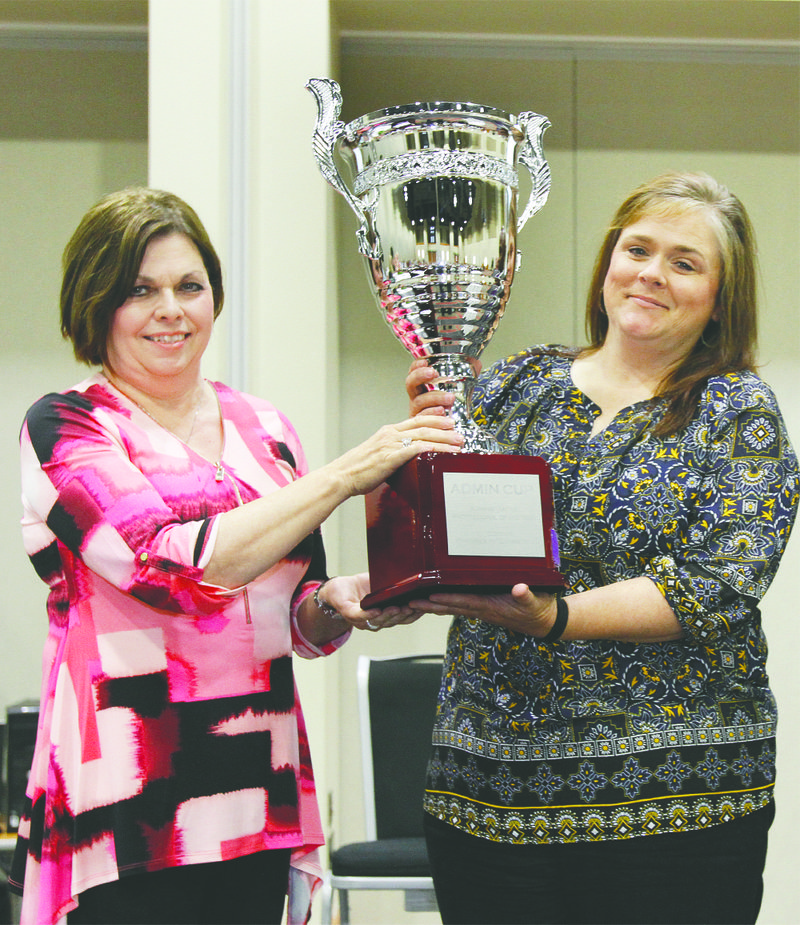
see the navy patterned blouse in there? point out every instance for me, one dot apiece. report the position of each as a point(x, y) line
point(588, 740)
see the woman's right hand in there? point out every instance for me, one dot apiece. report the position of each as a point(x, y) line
point(371, 462)
point(421, 398)
point(424, 400)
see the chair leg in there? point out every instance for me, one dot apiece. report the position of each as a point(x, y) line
point(326, 895)
point(344, 907)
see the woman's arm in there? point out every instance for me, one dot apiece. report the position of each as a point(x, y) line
point(81, 488)
point(708, 585)
point(633, 610)
point(252, 538)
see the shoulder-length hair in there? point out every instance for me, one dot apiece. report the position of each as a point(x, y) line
point(104, 254)
point(728, 342)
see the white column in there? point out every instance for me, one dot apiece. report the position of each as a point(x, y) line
point(188, 132)
point(230, 132)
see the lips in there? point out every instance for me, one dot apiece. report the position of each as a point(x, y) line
point(167, 339)
point(646, 300)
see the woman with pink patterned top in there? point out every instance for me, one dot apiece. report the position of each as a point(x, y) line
point(177, 527)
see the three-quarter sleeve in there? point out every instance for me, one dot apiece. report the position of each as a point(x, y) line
point(740, 516)
point(82, 493)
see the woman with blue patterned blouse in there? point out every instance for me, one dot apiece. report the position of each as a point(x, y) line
point(609, 757)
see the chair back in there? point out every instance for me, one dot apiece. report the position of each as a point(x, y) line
point(397, 703)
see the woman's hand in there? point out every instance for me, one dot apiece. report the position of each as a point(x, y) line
point(523, 610)
point(371, 462)
point(346, 592)
point(344, 595)
point(422, 399)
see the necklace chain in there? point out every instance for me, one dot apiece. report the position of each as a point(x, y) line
point(194, 421)
point(219, 474)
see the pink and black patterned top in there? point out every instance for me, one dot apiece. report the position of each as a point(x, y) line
point(170, 730)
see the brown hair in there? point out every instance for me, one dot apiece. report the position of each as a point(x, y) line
point(103, 256)
point(728, 343)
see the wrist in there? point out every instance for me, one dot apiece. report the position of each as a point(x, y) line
point(324, 607)
point(556, 631)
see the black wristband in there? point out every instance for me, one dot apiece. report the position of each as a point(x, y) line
point(562, 615)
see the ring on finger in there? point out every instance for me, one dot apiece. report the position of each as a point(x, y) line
point(372, 626)
point(407, 441)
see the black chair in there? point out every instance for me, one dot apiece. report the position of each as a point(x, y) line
point(397, 701)
point(5, 900)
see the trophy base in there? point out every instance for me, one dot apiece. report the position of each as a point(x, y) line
point(472, 522)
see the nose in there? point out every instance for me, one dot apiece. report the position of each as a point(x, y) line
point(653, 272)
point(169, 305)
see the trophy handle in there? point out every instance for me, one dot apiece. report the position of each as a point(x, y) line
point(531, 155)
point(327, 131)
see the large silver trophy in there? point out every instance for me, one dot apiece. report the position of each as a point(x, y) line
point(435, 191)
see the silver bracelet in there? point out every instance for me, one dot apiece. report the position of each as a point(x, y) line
point(328, 609)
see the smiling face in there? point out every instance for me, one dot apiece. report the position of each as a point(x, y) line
point(661, 286)
point(159, 334)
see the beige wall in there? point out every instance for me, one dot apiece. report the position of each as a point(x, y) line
point(323, 354)
point(73, 126)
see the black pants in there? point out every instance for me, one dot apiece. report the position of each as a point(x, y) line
point(710, 877)
point(250, 890)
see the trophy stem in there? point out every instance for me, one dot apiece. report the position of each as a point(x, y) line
point(455, 375)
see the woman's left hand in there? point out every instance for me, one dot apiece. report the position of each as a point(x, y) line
point(523, 610)
point(346, 592)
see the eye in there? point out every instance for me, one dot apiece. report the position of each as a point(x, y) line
point(138, 291)
point(636, 250)
point(685, 265)
point(190, 285)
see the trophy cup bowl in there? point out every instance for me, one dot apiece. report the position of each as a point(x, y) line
point(435, 190)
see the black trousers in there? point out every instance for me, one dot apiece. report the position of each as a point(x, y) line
point(709, 877)
point(250, 890)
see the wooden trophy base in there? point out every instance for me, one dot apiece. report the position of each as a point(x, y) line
point(472, 522)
